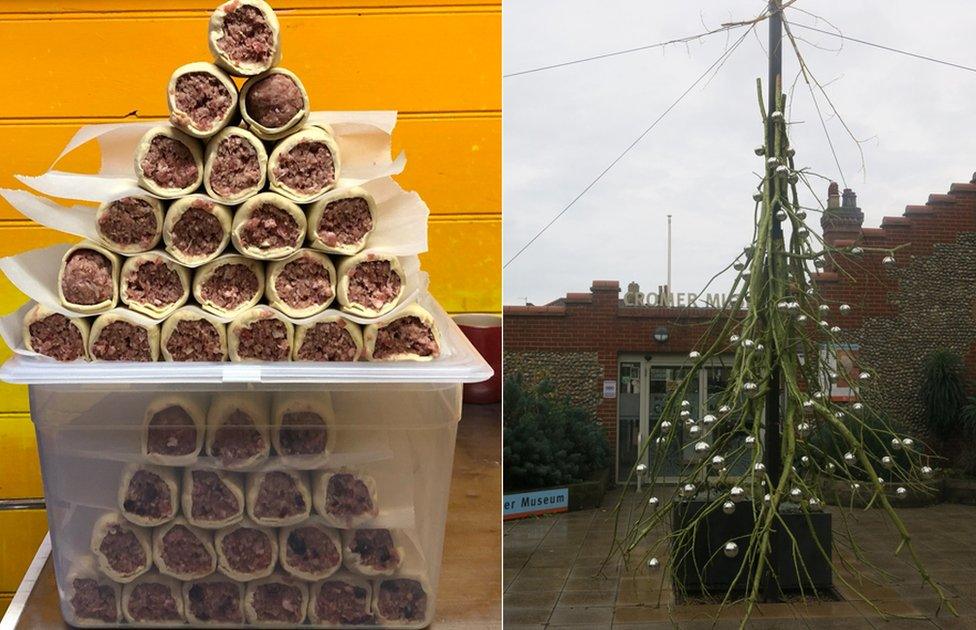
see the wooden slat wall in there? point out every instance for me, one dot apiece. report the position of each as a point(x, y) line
point(76, 62)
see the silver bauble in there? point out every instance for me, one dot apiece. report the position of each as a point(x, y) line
point(815, 504)
point(908, 443)
point(724, 409)
point(759, 150)
point(739, 266)
point(808, 404)
point(749, 386)
point(686, 404)
point(864, 376)
point(796, 494)
point(685, 413)
point(803, 429)
point(835, 329)
point(805, 460)
point(718, 461)
point(736, 492)
point(666, 426)
point(888, 261)
point(653, 501)
point(688, 489)
point(781, 215)
point(702, 447)
point(767, 499)
point(731, 549)
point(896, 444)
point(709, 419)
point(653, 563)
point(759, 467)
point(845, 309)
point(830, 467)
point(901, 493)
point(728, 507)
point(887, 462)
point(801, 318)
point(694, 430)
point(849, 457)
point(734, 339)
point(772, 161)
point(857, 251)
point(694, 354)
point(824, 308)
point(926, 472)
point(641, 468)
point(857, 406)
point(748, 343)
point(750, 440)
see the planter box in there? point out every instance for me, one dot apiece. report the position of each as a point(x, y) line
point(701, 566)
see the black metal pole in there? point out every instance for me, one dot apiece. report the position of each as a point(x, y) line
point(773, 441)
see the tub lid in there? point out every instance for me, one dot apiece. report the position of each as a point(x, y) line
point(459, 363)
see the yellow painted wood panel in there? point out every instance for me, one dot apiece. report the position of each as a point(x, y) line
point(464, 263)
point(114, 6)
point(5, 601)
point(20, 476)
point(454, 162)
point(109, 66)
point(21, 532)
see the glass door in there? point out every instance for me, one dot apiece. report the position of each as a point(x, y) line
point(628, 416)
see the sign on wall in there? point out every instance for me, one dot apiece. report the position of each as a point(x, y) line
point(665, 298)
point(609, 388)
point(536, 503)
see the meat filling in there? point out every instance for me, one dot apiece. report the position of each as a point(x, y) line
point(311, 551)
point(122, 341)
point(375, 549)
point(275, 601)
point(148, 496)
point(211, 499)
point(278, 497)
point(169, 163)
point(155, 283)
point(235, 167)
point(402, 600)
point(269, 227)
point(195, 340)
point(237, 440)
point(347, 496)
point(122, 550)
point(198, 232)
point(56, 337)
point(343, 603)
point(405, 335)
point(152, 601)
point(327, 341)
point(304, 282)
point(229, 286)
point(274, 101)
point(373, 284)
point(345, 222)
point(87, 278)
point(203, 98)
point(308, 167)
point(92, 600)
point(216, 601)
point(247, 36)
point(130, 222)
point(171, 432)
point(264, 340)
point(302, 433)
point(247, 550)
point(184, 553)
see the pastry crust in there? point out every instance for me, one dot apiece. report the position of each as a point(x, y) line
point(309, 134)
point(320, 498)
point(204, 273)
point(105, 319)
point(283, 547)
point(167, 476)
point(197, 416)
point(245, 320)
point(275, 269)
point(230, 481)
point(187, 315)
point(414, 579)
point(276, 578)
point(83, 568)
point(129, 269)
point(224, 563)
point(100, 307)
point(115, 521)
point(318, 209)
point(353, 561)
point(39, 313)
point(182, 119)
point(253, 487)
point(210, 157)
point(189, 142)
point(343, 577)
point(410, 310)
point(204, 536)
point(348, 265)
point(253, 204)
point(157, 211)
point(319, 404)
point(177, 209)
point(154, 578)
point(355, 332)
point(274, 133)
point(216, 32)
point(222, 408)
point(195, 621)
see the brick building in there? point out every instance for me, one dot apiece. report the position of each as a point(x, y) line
point(617, 358)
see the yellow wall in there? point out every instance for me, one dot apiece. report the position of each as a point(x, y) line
point(74, 62)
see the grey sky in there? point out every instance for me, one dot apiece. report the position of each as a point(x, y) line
point(562, 127)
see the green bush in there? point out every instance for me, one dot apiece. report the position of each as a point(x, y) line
point(548, 441)
point(943, 393)
point(871, 434)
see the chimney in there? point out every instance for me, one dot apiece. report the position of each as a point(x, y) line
point(833, 196)
point(843, 219)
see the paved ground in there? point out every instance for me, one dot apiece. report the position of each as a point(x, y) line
point(551, 579)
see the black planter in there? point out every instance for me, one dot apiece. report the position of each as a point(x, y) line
point(700, 565)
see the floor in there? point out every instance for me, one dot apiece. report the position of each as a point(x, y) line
point(470, 583)
point(553, 578)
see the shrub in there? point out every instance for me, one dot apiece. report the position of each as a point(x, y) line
point(942, 392)
point(873, 436)
point(548, 441)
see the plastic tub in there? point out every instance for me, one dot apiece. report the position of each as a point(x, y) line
point(392, 426)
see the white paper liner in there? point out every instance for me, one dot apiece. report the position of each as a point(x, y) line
point(363, 138)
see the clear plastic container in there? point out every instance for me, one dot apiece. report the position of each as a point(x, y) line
point(389, 430)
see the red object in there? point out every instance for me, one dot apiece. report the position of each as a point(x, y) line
point(485, 333)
